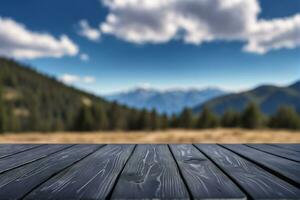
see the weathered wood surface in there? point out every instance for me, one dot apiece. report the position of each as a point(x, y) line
point(255, 181)
point(287, 168)
point(92, 178)
point(7, 150)
point(278, 151)
point(27, 177)
point(203, 178)
point(29, 156)
point(149, 171)
point(293, 147)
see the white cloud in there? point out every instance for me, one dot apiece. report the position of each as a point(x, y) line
point(88, 79)
point(275, 34)
point(19, 42)
point(199, 21)
point(84, 57)
point(88, 32)
point(71, 79)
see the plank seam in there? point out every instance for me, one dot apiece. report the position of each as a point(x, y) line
point(284, 147)
point(181, 174)
point(21, 151)
point(1, 172)
point(272, 153)
point(61, 171)
point(109, 195)
point(248, 196)
point(271, 171)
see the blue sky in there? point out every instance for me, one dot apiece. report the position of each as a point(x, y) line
point(155, 56)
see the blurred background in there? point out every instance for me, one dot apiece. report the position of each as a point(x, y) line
point(172, 71)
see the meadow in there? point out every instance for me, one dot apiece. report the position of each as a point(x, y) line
point(169, 136)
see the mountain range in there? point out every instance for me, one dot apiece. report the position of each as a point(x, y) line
point(268, 97)
point(169, 101)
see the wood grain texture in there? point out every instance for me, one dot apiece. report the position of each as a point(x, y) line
point(258, 183)
point(287, 168)
point(31, 155)
point(203, 178)
point(282, 152)
point(293, 147)
point(91, 178)
point(27, 177)
point(150, 173)
point(9, 149)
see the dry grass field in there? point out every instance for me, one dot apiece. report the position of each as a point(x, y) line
point(169, 136)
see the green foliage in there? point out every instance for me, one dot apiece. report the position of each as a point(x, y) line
point(133, 120)
point(144, 121)
point(174, 121)
point(154, 120)
point(41, 103)
point(286, 117)
point(252, 117)
point(118, 120)
point(84, 120)
point(2, 116)
point(207, 119)
point(35, 102)
point(230, 119)
point(100, 118)
point(268, 98)
point(164, 122)
point(186, 119)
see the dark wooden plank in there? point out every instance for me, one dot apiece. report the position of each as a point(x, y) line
point(203, 178)
point(293, 147)
point(258, 183)
point(150, 173)
point(287, 168)
point(91, 178)
point(10, 149)
point(31, 155)
point(285, 153)
point(27, 177)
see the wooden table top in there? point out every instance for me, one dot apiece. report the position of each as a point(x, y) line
point(183, 171)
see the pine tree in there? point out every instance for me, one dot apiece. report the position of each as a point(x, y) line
point(286, 117)
point(186, 119)
point(144, 122)
point(230, 119)
point(117, 117)
point(100, 118)
point(154, 120)
point(252, 117)
point(34, 118)
point(164, 122)
point(133, 119)
point(84, 120)
point(174, 121)
point(207, 119)
point(2, 114)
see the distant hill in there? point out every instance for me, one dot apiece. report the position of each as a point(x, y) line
point(36, 102)
point(268, 97)
point(172, 101)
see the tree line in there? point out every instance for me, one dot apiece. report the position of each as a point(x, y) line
point(93, 118)
point(30, 101)
point(250, 118)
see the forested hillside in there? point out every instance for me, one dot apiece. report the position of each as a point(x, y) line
point(269, 98)
point(30, 101)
